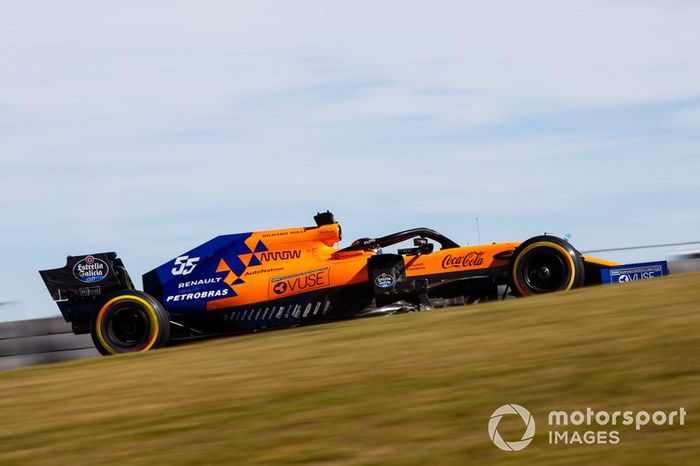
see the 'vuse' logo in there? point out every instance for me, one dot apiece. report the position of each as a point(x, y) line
point(529, 427)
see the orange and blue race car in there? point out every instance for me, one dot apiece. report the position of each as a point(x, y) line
point(248, 282)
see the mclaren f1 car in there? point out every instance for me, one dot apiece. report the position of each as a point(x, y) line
point(248, 282)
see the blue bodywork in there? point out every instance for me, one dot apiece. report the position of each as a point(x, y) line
point(190, 280)
point(633, 272)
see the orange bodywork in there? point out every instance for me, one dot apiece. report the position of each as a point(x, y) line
point(247, 282)
point(300, 260)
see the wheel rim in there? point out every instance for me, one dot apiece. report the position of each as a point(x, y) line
point(128, 327)
point(545, 270)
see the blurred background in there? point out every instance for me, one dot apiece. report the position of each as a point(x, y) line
point(147, 128)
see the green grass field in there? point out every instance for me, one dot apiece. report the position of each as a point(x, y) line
point(412, 389)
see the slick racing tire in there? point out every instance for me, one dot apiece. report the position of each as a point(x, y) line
point(128, 322)
point(544, 264)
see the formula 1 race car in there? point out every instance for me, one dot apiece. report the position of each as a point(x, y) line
point(248, 282)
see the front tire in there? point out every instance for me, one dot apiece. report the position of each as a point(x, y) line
point(130, 321)
point(544, 264)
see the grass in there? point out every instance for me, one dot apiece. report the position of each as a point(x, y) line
point(403, 390)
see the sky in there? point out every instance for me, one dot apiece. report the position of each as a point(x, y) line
point(147, 128)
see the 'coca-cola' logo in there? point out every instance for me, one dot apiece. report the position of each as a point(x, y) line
point(471, 259)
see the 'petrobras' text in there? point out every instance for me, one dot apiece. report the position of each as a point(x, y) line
point(198, 295)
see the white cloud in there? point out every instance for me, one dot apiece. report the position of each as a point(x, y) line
point(688, 118)
point(135, 118)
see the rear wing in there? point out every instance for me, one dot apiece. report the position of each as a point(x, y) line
point(80, 287)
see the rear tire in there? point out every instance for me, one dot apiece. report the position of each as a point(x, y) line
point(544, 264)
point(130, 321)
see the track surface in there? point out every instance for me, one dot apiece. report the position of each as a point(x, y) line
point(408, 389)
